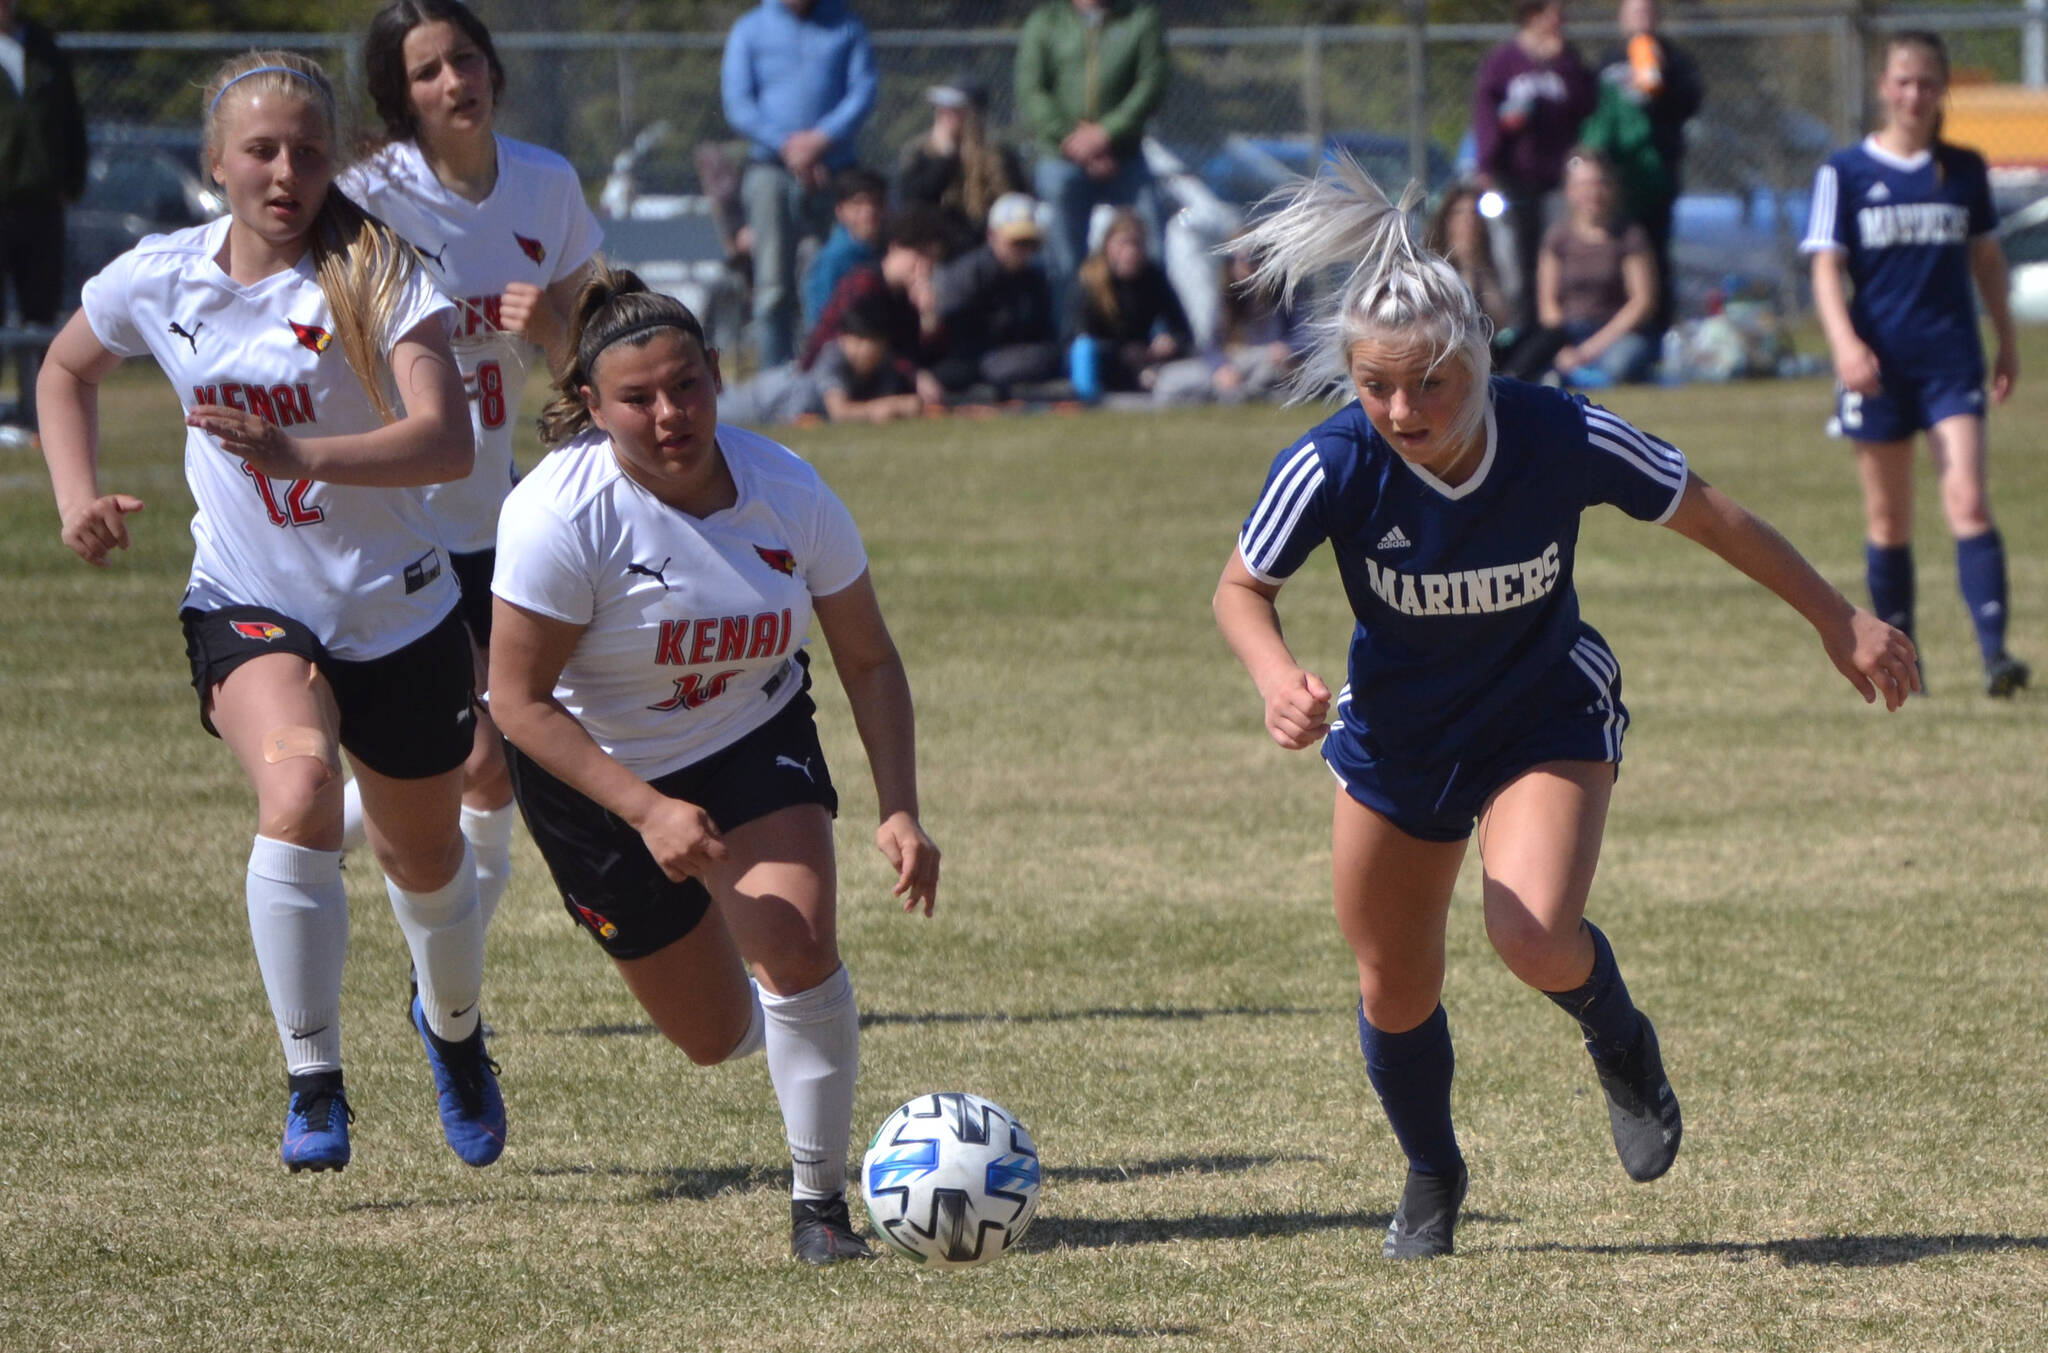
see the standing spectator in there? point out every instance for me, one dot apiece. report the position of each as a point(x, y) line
point(955, 167)
point(997, 308)
point(1125, 312)
point(1531, 95)
point(1089, 73)
point(1651, 87)
point(42, 167)
point(859, 196)
point(798, 81)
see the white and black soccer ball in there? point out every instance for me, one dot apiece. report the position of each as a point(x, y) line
point(951, 1180)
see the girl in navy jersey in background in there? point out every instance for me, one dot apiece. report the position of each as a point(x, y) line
point(657, 577)
point(1475, 691)
point(321, 614)
point(502, 227)
point(1907, 221)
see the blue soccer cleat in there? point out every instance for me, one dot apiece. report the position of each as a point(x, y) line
point(316, 1123)
point(466, 1084)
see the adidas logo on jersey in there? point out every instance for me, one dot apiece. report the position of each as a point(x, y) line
point(1394, 540)
point(1878, 193)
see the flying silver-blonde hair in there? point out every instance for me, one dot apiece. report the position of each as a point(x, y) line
point(1393, 289)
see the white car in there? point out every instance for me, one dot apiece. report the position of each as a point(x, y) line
point(2025, 237)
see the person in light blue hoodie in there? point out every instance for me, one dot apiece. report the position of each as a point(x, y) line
point(798, 80)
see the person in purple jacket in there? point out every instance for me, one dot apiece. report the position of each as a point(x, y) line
point(797, 80)
point(1527, 103)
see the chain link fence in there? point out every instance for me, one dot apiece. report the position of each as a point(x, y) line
point(1784, 83)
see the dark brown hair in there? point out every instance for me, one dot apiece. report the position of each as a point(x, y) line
point(614, 306)
point(384, 57)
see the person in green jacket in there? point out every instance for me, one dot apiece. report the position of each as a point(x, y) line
point(42, 167)
point(1089, 74)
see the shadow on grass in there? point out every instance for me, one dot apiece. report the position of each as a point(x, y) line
point(1096, 1233)
point(695, 1183)
point(1880, 1251)
point(1064, 1333)
point(872, 1018)
point(1148, 1169)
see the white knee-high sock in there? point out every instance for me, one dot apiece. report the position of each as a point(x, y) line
point(489, 833)
point(757, 1026)
point(298, 918)
point(813, 1042)
point(353, 836)
point(445, 932)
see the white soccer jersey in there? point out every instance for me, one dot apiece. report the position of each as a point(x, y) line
point(691, 626)
point(361, 567)
point(534, 227)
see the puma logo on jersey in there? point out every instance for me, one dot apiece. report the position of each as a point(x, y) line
point(311, 337)
point(533, 249)
point(804, 766)
point(782, 561)
point(437, 258)
point(1394, 540)
point(191, 336)
point(653, 571)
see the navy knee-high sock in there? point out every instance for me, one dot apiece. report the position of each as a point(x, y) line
point(1411, 1073)
point(1889, 570)
point(1601, 1004)
point(1980, 571)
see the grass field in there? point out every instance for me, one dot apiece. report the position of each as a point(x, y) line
point(1835, 916)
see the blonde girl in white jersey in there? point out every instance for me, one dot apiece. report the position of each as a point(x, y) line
point(657, 574)
point(501, 227)
point(320, 616)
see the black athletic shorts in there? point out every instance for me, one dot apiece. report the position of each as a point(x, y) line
point(473, 572)
point(408, 715)
point(609, 883)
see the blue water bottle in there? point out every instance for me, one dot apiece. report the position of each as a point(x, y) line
point(1083, 370)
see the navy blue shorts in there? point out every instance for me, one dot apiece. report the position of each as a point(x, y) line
point(610, 884)
point(409, 715)
point(1908, 404)
point(1574, 714)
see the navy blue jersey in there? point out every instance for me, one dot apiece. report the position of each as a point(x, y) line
point(1463, 595)
point(1906, 226)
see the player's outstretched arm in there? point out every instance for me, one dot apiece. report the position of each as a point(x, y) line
point(1297, 702)
point(878, 689)
point(68, 397)
point(1877, 659)
point(431, 444)
point(528, 652)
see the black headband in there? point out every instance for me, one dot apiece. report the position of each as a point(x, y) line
point(633, 331)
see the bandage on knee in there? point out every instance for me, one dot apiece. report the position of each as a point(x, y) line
point(281, 744)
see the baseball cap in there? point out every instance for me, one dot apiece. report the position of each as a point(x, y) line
point(1014, 216)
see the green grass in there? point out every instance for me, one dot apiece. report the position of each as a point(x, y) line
point(1836, 917)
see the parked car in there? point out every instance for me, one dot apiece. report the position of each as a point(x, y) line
point(139, 181)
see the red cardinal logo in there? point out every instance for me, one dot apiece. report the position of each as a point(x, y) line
point(311, 336)
point(782, 561)
point(598, 924)
point(261, 630)
point(533, 249)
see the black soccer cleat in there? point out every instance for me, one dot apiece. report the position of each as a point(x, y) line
point(1641, 1108)
point(1428, 1214)
point(820, 1232)
point(2005, 674)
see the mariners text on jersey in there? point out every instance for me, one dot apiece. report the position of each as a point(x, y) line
point(1472, 591)
point(1883, 226)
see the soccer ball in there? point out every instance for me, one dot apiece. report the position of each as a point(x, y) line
point(950, 1180)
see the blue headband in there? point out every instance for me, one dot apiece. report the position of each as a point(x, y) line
point(214, 107)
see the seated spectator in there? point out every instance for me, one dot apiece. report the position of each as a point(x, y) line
point(858, 196)
point(859, 379)
point(996, 307)
point(1596, 287)
point(1126, 318)
point(1259, 338)
point(902, 289)
point(1458, 234)
point(955, 166)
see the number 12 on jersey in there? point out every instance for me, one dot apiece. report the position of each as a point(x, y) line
point(292, 510)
